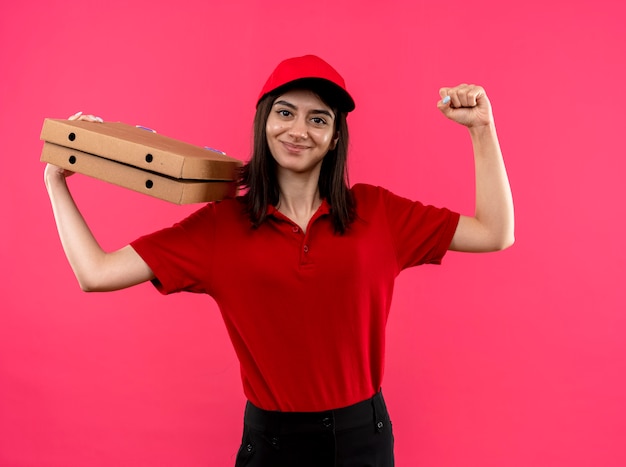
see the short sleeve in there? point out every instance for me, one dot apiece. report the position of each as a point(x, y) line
point(180, 255)
point(421, 234)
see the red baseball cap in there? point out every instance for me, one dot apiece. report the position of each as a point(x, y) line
point(314, 71)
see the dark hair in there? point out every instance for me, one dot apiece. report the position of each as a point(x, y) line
point(258, 176)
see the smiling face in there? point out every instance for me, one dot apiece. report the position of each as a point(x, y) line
point(300, 131)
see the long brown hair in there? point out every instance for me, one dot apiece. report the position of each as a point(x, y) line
point(258, 176)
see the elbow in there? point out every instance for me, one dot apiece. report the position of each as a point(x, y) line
point(503, 237)
point(504, 242)
point(89, 284)
point(508, 243)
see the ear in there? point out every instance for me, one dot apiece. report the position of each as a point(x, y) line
point(333, 143)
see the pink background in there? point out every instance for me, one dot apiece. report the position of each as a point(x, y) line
point(509, 359)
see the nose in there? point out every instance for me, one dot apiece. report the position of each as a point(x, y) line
point(298, 129)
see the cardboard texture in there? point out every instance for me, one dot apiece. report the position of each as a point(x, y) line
point(140, 160)
point(140, 148)
point(169, 189)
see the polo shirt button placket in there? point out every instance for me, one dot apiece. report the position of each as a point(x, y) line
point(305, 257)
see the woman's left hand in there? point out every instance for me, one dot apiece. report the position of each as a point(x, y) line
point(466, 104)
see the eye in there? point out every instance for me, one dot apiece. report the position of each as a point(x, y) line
point(283, 113)
point(318, 121)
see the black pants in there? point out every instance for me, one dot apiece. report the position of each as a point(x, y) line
point(356, 436)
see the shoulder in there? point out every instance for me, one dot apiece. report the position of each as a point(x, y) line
point(366, 192)
point(213, 212)
point(222, 207)
point(234, 205)
point(371, 201)
point(377, 199)
point(371, 195)
point(362, 188)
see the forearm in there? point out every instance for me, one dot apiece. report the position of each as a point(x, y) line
point(81, 248)
point(95, 269)
point(494, 201)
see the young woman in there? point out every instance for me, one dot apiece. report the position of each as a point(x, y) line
point(302, 266)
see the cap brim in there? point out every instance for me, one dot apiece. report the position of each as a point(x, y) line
point(331, 93)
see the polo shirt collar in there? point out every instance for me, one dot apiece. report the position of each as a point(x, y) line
point(322, 210)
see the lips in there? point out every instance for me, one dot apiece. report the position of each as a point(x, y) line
point(294, 147)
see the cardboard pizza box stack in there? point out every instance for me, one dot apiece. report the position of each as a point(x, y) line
point(140, 160)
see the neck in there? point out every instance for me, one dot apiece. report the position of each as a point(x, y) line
point(299, 197)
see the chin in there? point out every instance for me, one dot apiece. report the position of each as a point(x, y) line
point(299, 168)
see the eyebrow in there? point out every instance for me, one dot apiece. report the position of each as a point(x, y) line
point(315, 111)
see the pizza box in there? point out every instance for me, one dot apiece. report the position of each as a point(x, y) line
point(179, 191)
point(141, 148)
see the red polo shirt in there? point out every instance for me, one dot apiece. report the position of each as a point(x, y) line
point(306, 312)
